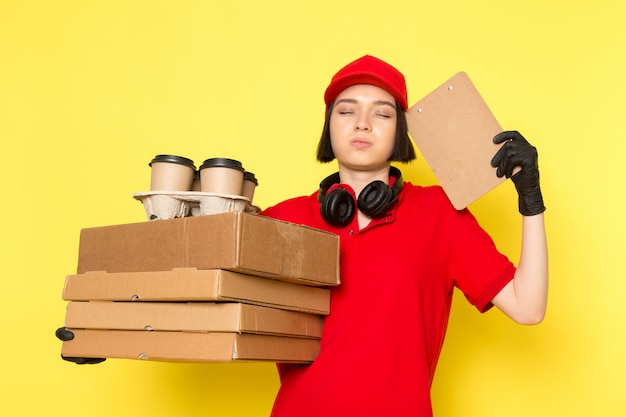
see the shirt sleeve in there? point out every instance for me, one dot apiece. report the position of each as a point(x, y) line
point(479, 270)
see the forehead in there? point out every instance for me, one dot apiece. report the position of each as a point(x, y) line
point(365, 92)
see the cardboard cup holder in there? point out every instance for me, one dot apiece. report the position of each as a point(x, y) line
point(177, 189)
point(164, 205)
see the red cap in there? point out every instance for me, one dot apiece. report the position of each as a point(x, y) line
point(368, 70)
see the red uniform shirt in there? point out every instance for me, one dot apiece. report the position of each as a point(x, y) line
point(388, 318)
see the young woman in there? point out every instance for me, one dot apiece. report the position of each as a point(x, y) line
point(403, 250)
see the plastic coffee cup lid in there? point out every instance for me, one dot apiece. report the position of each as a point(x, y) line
point(223, 163)
point(173, 159)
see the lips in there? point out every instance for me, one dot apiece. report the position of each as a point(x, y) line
point(360, 143)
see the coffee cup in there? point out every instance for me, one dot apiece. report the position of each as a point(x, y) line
point(171, 173)
point(249, 185)
point(195, 186)
point(221, 176)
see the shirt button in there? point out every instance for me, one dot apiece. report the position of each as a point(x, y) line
point(351, 232)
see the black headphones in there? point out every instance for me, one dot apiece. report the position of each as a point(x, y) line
point(338, 207)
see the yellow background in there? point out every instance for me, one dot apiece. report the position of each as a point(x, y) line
point(90, 91)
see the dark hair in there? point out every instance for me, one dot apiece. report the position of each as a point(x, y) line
point(403, 150)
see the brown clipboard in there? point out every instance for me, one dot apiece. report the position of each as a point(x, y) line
point(454, 128)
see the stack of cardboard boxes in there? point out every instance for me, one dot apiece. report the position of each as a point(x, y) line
point(217, 288)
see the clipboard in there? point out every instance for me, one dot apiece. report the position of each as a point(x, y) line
point(453, 128)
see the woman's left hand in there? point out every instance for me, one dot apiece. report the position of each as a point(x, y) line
point(517, 152)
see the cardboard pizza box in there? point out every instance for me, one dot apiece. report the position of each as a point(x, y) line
point(190, 284)
point(189, 346)
point(192, 317)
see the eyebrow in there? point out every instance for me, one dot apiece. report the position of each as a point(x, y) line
point(377, 102)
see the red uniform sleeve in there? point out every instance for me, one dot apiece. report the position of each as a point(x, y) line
point(480, 271)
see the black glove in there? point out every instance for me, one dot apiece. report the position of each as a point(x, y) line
point(63, 334)
point(517, 152)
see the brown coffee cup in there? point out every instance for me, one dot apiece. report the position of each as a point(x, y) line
point(221, 176)
point(249, 185)
point(171, 173)
point(195, 186)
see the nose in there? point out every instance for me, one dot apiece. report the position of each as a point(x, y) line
point(362, 123)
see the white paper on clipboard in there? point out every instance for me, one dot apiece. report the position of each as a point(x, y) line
point(454, 128)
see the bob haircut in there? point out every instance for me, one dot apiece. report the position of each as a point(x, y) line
point(403, 150)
